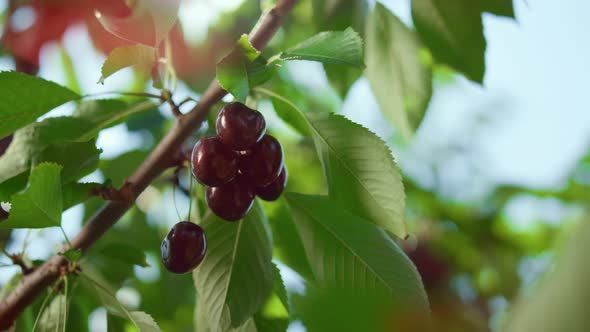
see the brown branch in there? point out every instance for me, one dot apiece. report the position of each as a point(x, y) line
point(159, 160)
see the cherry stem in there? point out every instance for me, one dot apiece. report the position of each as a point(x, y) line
point(190, 197)
point(174, 198)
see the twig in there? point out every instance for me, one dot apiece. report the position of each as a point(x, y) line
point(18, 260)
point(35, 283)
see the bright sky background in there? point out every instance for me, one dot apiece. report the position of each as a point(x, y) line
point(536, 82)
point(534, 97)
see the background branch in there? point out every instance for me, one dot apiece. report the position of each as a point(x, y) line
point(159, 160)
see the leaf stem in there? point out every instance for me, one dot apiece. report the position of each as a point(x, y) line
point(66, 237)
point(26, 241)
point(130, 94)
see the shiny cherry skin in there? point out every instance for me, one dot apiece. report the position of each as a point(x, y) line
point(274, 190)
point(184, 247)
point(232, 201)
point(262, 164)
point(213, 163)
point(240, 127)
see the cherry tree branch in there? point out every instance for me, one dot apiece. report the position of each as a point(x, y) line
point(34, 284)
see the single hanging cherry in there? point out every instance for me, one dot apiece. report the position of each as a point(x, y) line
point(184, 247)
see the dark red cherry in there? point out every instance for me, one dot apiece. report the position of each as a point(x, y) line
point(240, 127)
point(213, 163)
point(231, 201)
point(274, 190)
point(184, 247)
point(263, 163)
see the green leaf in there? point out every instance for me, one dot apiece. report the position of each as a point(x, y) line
point(138, 55)
point(347, 252)
point(334, 47)
point(89, 118)
point(76, 193)
point(337, 15)
point(401, 82)
point(17, 158)
point(360, 170)
point(30, 149)
point(40, 205)
point(72, 255)
point(279, 287)
point(267, 319)
point(145, 239)
point(62, 129)
point(64, 140)
point(342, 78)
point(11, 186)
point(236, 276)
point(558, 301)
point(25, 321)
point(118, 169)
point(342, 309)
point(257, 323)
point(71, 78)
point(264, 324)
point(144, 322)
point(78, 159)
point(288, 248)
point(18, 108)
point(141, 320)
point(105, 113)
point(125, 253)
point(287, 111)
point(453, 30)
point(243, 69)
point(498, 7)
point(54, 317)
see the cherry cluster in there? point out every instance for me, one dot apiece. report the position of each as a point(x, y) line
point(241, 162)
